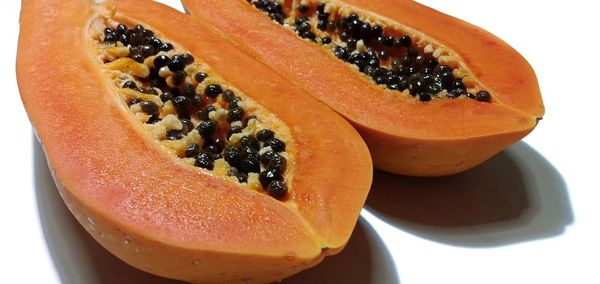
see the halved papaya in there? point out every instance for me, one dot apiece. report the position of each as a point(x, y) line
point(181, 155)
point(431, 94)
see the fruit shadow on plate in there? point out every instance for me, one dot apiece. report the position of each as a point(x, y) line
point(517, 196)
point(78, 258)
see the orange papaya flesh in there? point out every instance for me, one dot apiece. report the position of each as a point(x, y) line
point(143, 203)
point(405, 135)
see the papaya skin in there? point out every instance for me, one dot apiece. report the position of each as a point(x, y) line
point(404, 136)
point(149, 209)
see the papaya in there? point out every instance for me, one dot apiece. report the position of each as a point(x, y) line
point(430, 94)
point(180, 154)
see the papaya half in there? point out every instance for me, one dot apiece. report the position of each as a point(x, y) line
point(178, 153)
point(430, 94)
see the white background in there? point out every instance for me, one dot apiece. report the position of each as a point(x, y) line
point(527, 216)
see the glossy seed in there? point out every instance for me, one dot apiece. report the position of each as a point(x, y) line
point(276, 144)
point(250, 164)
point(234, 114)
point(228, 95)
point(192, 150)
point(213, 90)
point(264, 134)
point(232, 155)
point(203, 160)
point(249, 141)
point(178, 77)
point(200, 76)
point(207, 128)
point(277, 189)
point(149, 107)
point(233, 130)
point(203, 114)
point(483, 96)
point(267, 176)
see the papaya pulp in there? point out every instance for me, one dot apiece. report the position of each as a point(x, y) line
point(408, 130)
point(142, 201)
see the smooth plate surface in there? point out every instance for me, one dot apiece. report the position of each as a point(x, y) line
point(529, 215)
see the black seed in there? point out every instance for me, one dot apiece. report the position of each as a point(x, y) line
point(234, 102)
point(130, 84)
point(266, 157)
point(234, 114)
point(471, 96)
point(405, 41)
point(379, 80)
point(364, 31)
point(308, 35)
point(203, 114)
point(276, 144)
point(187, 58)
point(153, 119)
point(415, 84)
point(174, 134)
point(207, 128)
point(264, 135)
point(276, 17)
point(149, 107)
point(331, 26)
point(177, 63)
point(228, 95)
point(188, 90)
point(345, 35)
point(148, 33)
point(277, 189)
point(456, 93)
point(242, 177)
point(425, 97)
point(427, 70)
point(133, 101)
point(192, 150)
point(187, 125)
point(165, 46)
point(303, 27)
point(178, 77)
point(326, 40)
point(351, 43)
point(266, 177)
point(457, 84)
point(137, 58)
point(322, 25)
point(154, 42)
point(419, 59)
point(213, 151)
point(321, 8)
point(483, 96)
point(138, 28)
point(213, 90)
point(323, 16)
point(447, 78)
point(121, 29)
point(341, 53)
point(383, 55)
point(299, 21)
point(376, 31)
point(380, 40)
point(200, 76)
point(406, 60)
point(403, 84)
point(232, 155)
point(439, 69)
point(342, 24)
point(303, 8)
point(433, 88)
point(181, 102)
point(233, 130)
point(196, 100)
point(136, 38)
point(431, 63)
point(249, 152)
point(147, 50)
point(277, 162)
point(373, 62)
point(389, 41)
point(123, 38)
point(249, 165)
point(161, 61)
point(370, 71)
point(203, 160)
point(249, 141)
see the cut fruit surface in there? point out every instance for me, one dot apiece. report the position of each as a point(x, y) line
point(169, 168)
point(431, 95)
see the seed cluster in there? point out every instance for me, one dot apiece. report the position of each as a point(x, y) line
point(391, 61)
point(203, 106)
